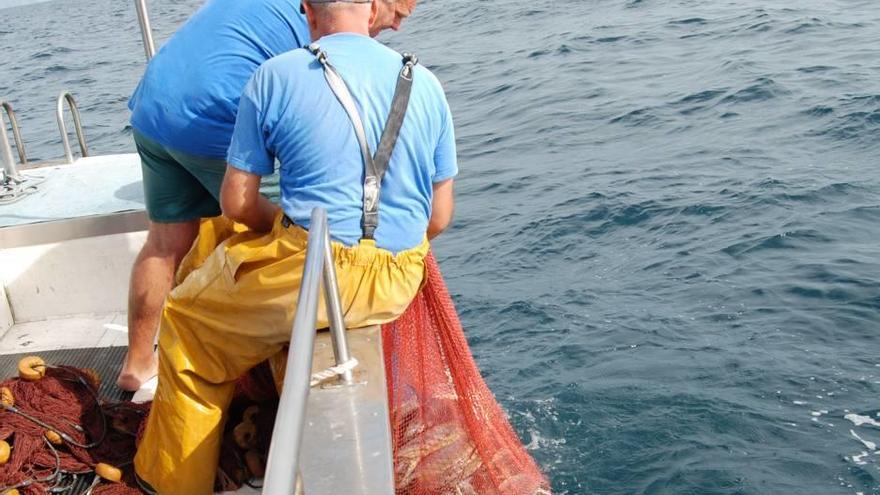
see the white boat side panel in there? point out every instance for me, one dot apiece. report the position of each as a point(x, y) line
point(5, 312)
point(80, 276)
point(71, 332)
point(89, 186)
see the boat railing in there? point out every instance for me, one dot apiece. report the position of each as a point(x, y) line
point(77, 123)
point(287, 437)
point(10, 170)
point(146, 30)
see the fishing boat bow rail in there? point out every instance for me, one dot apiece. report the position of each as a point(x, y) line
point(13, 184)
point(290, 421)
point(9, 168)
point(65, 96)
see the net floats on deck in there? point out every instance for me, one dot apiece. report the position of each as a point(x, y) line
point(108, 472)
point(31, 368)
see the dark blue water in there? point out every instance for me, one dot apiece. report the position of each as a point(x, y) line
point(667, 242)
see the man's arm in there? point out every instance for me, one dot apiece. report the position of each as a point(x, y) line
point(442, 208)
point(241, 200)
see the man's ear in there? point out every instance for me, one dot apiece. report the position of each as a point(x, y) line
point(374, 11)
point(310, 16)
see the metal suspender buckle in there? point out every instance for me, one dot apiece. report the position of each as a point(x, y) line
point(320, 54)
point(370, 218)
point(409, 61)
point(371, 193)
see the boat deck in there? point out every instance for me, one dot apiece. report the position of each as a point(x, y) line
point(346, 426)
point(106, 360)
point(67, 332)
point(93, 196)
point(97, 185)
point(66, 251)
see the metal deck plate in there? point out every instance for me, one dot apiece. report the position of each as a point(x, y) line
point(347, 441)
point(106, 361)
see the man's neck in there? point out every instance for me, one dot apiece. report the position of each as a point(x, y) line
point(342, 26)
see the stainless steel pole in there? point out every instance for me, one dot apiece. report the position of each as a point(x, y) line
point(9, 170)
point(283, 462)
point(16, 131)
point(77, 124)
point(146, 30)
point(334, 309)
point(59, 117)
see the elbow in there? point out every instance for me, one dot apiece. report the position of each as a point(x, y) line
point(232, 205)
point(233, 211)
point(240, 195)
point(442, 208)
point(437, 226)
point(434, 231)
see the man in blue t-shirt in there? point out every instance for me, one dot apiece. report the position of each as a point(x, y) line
point(183, 113)
point(235, 309)
point(274, 122)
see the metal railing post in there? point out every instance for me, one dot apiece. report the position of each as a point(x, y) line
point(77, 123)
point(10, 169)
point(283, 462)
point(334, 310)
point(282, 467)
point(146, 29)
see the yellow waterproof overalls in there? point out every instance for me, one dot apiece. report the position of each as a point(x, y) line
point(234, 308)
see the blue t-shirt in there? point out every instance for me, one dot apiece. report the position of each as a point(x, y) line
point(189, 94)
point(289, 112)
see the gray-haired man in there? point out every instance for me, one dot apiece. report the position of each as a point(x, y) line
point(183, 112)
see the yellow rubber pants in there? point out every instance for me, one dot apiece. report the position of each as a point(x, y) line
point(234, 308)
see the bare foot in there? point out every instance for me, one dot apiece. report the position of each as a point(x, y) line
point(134, 373)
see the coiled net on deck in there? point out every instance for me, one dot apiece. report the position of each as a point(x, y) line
point(65, 398)
point(450, 436)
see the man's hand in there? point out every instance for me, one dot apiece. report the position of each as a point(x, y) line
point(241, 200)
point(442, 207)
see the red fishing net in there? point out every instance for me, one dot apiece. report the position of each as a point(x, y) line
point(85, 431)
point(450, 436)
point(88, 433)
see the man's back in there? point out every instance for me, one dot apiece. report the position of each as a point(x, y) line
point(288, 112)
point(189, 94)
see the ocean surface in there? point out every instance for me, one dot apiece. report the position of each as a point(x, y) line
point(666, 250)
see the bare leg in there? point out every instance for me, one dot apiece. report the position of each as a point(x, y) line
point(151, 279)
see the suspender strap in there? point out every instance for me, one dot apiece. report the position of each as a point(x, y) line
point(374, 165)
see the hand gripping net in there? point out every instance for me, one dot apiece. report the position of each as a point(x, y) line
point(450, 435)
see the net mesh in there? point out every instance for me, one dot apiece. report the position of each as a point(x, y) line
point(450, 436)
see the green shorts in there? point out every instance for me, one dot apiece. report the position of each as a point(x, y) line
point(179, 187)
